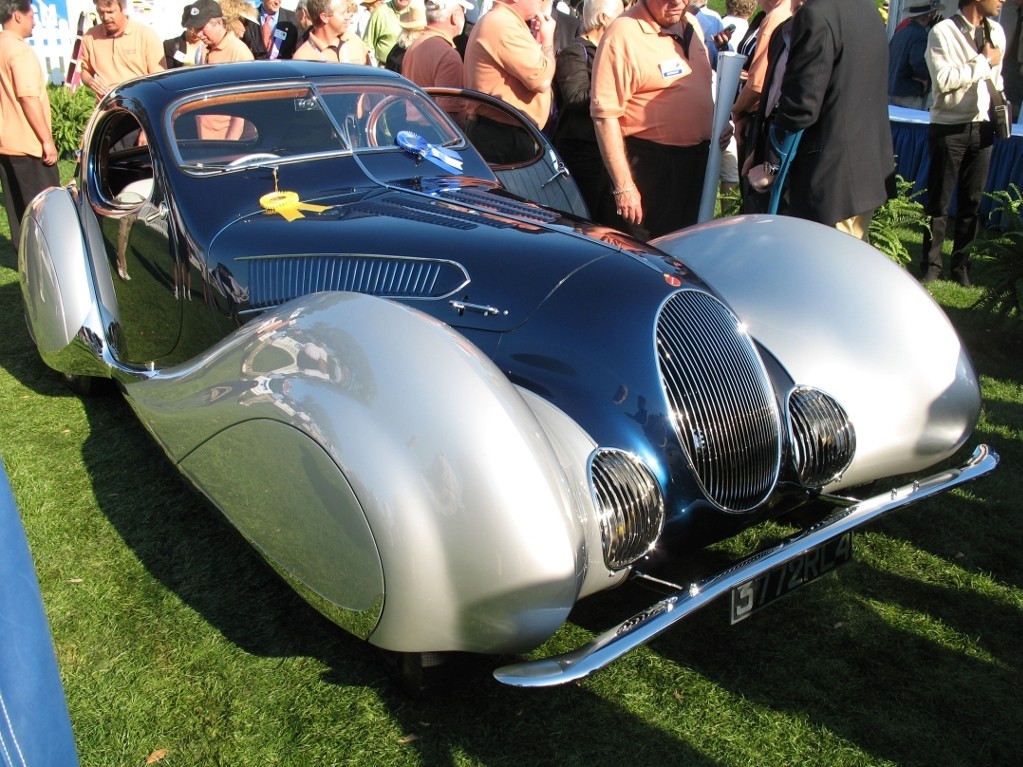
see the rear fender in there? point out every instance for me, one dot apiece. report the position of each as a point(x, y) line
point(67, 308)
point(370, 451)
point(841, 316)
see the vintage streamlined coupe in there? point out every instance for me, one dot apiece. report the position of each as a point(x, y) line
point(446, 412)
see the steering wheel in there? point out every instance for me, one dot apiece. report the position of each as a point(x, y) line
point(373, 119)
point(252, 159)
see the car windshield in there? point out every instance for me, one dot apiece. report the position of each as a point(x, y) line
point(234, 129)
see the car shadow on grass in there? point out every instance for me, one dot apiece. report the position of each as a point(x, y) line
point(838, 656)
point(195, 554)
point(192, 552)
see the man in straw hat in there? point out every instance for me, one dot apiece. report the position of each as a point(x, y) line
point(412, 21)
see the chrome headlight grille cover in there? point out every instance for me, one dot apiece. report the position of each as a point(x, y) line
point(723, 406)
point(823, 438)
point(630, 508)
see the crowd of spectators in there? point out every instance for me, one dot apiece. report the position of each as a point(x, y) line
point(624, 90)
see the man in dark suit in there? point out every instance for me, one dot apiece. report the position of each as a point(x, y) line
point(276, 35)
point(835, 90)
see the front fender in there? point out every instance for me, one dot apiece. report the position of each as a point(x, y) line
point(841, 316)
point(371, 452)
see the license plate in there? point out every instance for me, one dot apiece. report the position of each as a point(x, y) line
point(785, 578)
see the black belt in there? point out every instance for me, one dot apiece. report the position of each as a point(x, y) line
point(641, 143)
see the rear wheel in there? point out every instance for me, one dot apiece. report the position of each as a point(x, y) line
point(83, 386)
point(87, 386)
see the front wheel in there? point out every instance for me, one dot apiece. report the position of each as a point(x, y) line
point(422, 673)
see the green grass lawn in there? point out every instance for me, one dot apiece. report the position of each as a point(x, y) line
point(175, 640)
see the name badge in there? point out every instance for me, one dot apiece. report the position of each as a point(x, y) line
point(671, 68)
point(180, 57)
point(280, 34)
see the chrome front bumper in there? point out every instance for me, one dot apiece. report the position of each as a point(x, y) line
point(649, 623)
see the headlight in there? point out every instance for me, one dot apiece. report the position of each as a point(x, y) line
point(629, 506)
point(822, 436)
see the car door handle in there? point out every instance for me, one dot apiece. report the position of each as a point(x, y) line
point(462, 307)
point(160, 212)
point(562, 170)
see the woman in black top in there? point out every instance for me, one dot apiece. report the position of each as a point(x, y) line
point(574, 136)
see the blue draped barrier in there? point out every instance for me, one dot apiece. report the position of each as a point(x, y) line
point(913, 160)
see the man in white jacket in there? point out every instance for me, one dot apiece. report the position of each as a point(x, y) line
point(964, 56)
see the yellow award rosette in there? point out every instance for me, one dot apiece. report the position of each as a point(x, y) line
point(287, 204)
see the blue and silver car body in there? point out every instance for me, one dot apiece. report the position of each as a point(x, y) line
point(446, 413)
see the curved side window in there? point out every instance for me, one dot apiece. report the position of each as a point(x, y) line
point(122, 165)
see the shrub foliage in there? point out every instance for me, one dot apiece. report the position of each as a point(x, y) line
point(71, 111)
point(999, 253)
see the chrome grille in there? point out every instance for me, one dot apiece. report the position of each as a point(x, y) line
point(823, 437)
point(722, 403)
point(275, 280)
point(629, 505)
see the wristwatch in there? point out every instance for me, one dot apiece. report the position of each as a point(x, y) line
point(770, 168)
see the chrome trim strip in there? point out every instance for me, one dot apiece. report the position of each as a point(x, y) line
point(654, 620)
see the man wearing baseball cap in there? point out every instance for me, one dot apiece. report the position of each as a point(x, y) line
point(222, 45)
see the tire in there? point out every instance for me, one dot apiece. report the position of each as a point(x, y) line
point(83, 386)
point(87, 386)
point(421, 673)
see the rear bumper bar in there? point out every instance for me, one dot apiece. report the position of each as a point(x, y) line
point(649, 623)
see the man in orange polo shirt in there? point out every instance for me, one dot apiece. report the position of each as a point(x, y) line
point(330, 38)
point(432, 59)
point(505, 59)
point(652, 107)
point(28, 157)
point(118, 49)
point(222, 46)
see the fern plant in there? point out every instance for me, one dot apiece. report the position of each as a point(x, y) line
point(904, 211)
point(729, 203)
point(70, 112)
point(998, 251)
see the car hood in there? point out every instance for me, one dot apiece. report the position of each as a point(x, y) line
point(425, 245)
